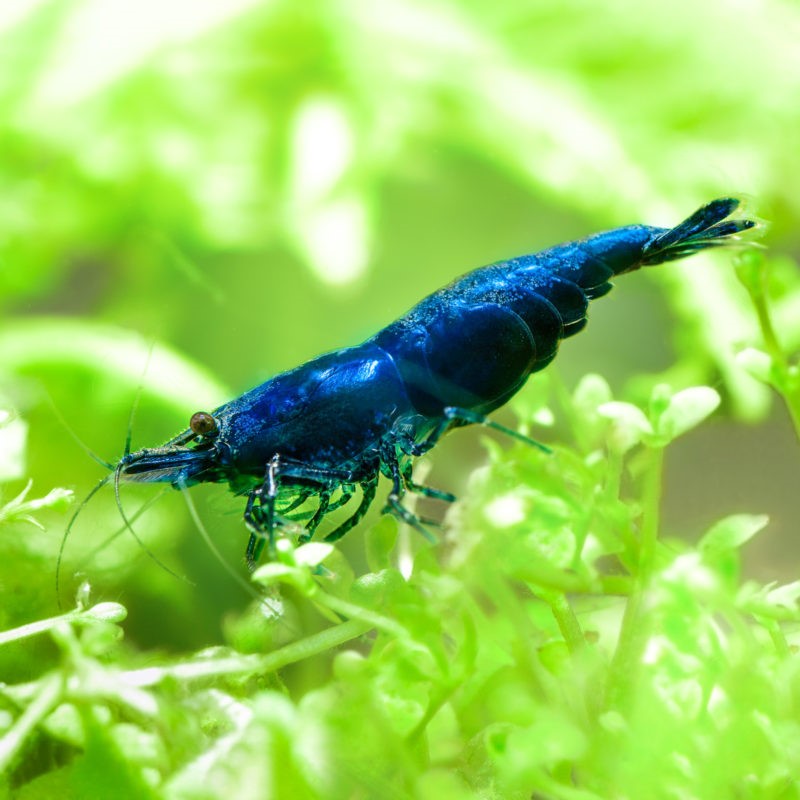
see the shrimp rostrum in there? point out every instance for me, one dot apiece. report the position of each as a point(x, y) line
point(319, 436)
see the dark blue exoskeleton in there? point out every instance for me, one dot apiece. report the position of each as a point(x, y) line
point(341, 420)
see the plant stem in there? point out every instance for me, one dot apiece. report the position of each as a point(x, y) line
point(777, 636)
point(46, 699)
point(353, 611)
point(291, 653)
point(550, 578)
point(787, 383)
point(632, 638)
point(33, 628)
point(651, 503)
point(567, 622)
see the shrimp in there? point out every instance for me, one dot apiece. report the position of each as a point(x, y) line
point(328, 429)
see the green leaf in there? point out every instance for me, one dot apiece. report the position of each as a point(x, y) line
point(20, 509)
point(685, 410)
point(312, 554)
point(107, 612)
point(757, 363)
point(591, 392)
point(273, 572)
point(786, 595)
point(631, 425)
point(103, 770)
point(732, 532)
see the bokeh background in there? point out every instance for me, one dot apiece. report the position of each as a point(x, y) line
point(195, 195)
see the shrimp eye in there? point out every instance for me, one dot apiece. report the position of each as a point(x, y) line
point(203, 424)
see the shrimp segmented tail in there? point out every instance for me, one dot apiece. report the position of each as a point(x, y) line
point(709, 226)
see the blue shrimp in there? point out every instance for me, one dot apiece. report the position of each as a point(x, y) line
point(333, 425)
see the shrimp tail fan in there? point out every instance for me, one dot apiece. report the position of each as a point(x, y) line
point(709, 226)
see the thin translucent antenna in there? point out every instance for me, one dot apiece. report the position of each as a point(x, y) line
point(137, 397)
point(68, 530)
point(68, 428)
point(117, 533)
point(213, 548)
point(133, 533)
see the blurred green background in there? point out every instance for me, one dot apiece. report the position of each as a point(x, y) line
point(235, 186)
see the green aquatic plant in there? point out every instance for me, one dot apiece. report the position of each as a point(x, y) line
point(248, 184)
point(553, 643)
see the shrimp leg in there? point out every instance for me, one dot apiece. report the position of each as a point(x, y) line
point(369, 490)
point(259, 514)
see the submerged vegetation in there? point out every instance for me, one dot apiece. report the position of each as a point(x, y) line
point(202, 194)
point(552, 643)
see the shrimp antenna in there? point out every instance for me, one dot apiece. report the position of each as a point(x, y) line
point(212, 547)
point(60, 557)
point(129, 527)
point(117, 533)
point(68, 428)
point(137, 397)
